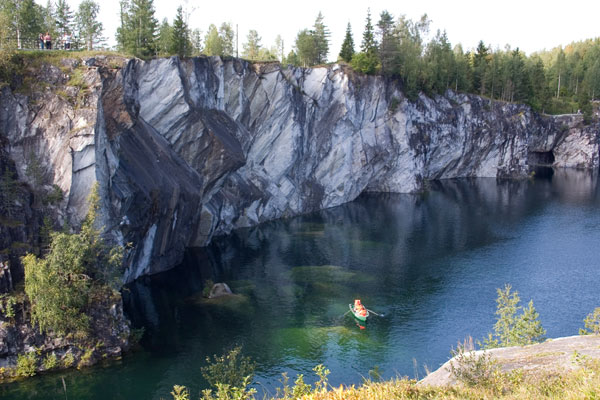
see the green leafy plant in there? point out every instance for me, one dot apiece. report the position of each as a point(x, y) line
point(512, 328)
point(471, 367)
point(50, 361)
point(180, 393)
point(26, 364)
point(300, 388)
point(7, 305)
point(68, 360)
point(231, 369)
point(591, 323)
point(322, 373)
point(86, 358)
point(59, 286)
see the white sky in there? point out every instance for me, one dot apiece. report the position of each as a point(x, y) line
point(530, 25)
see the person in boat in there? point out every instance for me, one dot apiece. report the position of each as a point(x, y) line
point(359, 308)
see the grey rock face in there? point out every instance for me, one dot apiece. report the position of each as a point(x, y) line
point(219, 289)
point(185, 150)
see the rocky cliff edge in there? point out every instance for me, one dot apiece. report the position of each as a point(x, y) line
point(186, 149)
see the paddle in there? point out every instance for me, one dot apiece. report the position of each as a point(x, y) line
point(373, 312)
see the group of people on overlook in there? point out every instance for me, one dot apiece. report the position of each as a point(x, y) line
point(45, 41)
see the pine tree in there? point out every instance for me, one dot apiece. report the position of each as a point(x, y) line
point(480, 65)
point(321, 38)
point(252, 46)
point(196, 38)
point(387, 41)
point(279, 48)
point(64, 17)
point(367, 61)
point(163, 41)
point(180, 43)
point(213, 45)
point(90, 29)
point(306, 48)
point(227, 35)
point(138, 31)
point(369, 45)
point(347, 50)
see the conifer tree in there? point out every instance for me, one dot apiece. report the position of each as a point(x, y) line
point(163, 41)
point(227, 35)
point(213, 45)
point(347, 50)
point(252, 46)
point(180, 43)
point(90, 29)
point(368, 45)
point(321, 40)
point(138, 31)
point(387, 42)
point(367, 61)
point(64, 17)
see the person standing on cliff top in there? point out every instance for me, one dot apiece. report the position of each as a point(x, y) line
point(67, 40)
point(48, 41)
point(41, 41)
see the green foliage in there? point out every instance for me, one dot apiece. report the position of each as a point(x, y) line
point(366, 63)
point(300, 388)
point(85, 359)
point(9, 192)
point(312, 46)
point(322, 373)
point(591, 323)
point(7, 305)
point(50, 361)
point(213, 43)
point(473, 368)
point(55, 195)
point(68, 360)
point(347, 50)
point(59, 285)
point(227, 392)
point(511, 328)
point(321, 39)
point(64, 17)
point(180, 42)
point(231, 369)
point(26, 364)
point(180, 393)
point(35, 171)
point(368, 44)
point(138, 31)
point(90, 29)
point(252, 46)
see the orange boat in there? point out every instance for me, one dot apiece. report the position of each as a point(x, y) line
point(359, 311)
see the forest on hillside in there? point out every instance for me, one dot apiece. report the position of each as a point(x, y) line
point(561, 80)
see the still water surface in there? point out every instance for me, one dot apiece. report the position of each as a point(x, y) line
point(430, 263)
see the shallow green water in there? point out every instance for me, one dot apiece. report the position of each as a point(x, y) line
point(430, 263)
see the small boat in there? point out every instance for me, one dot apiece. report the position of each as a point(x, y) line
point(358, 315)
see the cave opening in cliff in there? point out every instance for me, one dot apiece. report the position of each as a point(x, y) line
point(545, 158)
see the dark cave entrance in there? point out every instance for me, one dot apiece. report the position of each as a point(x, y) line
point(541, 158)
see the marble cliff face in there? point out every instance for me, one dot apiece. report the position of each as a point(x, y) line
point(184, 150)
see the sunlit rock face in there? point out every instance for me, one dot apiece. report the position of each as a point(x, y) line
point(185, 150)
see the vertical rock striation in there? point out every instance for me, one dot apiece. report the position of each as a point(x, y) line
point(188, 149)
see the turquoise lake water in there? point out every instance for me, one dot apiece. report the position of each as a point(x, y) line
point(430, 263)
